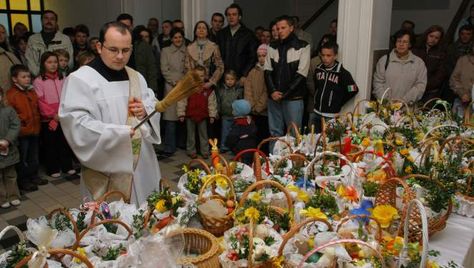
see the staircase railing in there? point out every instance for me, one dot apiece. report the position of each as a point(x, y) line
point(455, 22)
point(317, 14)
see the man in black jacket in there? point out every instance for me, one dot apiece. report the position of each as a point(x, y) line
point(334, 86)
point(237, 43)
point(286, 68)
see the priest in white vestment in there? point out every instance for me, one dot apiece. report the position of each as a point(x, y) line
point(95, 107)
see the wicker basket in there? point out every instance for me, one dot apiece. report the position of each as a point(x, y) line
point(214, 225)
point(298, 160)
point(378, 232)
point(103, 199)
point(257, 165)
point(71, 219)
point(292, 233)
point(92, 226)
point(259, 184)
point(61, 252)
point(275, 139)
point(199, 242)
point(343, 241)
point(389, 169)
point(435, 224)
point(415, 209)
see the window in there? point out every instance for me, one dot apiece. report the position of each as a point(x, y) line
point(27, 12)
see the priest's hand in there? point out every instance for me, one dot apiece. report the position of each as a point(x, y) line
point(135, 106)
point(132, 132)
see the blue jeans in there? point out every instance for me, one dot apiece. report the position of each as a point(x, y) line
point(170, 137)
point(226, 126)
point(27, 168)
point(282, 114)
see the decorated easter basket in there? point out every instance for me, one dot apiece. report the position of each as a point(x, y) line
point(217, 225)
point(201, 248)
point(288, 236)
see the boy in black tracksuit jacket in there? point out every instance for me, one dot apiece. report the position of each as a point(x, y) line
point(334, 86)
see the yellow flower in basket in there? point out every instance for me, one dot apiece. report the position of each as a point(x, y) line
point(384, 214)
point(398, 142)
point(160, 206)
point(222, 182)
point(408, 170)
point(300, 194)
point(432, 264)
point(175, 199)
point(82, 252)
point(366, 142)
point(396, 106)
point(313, 213)
point(277, 262)
point(394, 245)
point(404, 152)
point(255, 196)
point(252, 213)
point(378, 175)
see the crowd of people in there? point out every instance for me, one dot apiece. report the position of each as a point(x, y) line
point(256, 83)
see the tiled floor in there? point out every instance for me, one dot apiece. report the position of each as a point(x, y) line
point(65, 192)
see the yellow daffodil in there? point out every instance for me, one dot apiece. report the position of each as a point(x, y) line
point(160, 206)
point(222, 183)
point(384, 214)
point(432, 264)
point(408, 170)
point(378, 147)
point(366, 142)
point(398, 142)
point(311, 241)
point(175, 199)
point(410, 158)
point(396, 106)
point(404, 152)
point(252, 213)
point(277, 262)
point(313, 213)
point(300, 194)
point(82, 252)
point(255, 196)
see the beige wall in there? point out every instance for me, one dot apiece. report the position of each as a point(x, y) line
point(94, 13)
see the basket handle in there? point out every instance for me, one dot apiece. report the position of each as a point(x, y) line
point(467, 114)
point(71, 219)
point(270, 139)
point(92, 226)
point(385, 160)
point(290, 157)
point(257, 165)
point(295, 128)
point(379, 236)
point(111, 193)
point(201, 163)
point(424, 225)
point(271, 183)
point(83, 259)
point(297, 228)
point(212, 179)
point(319, 156)
point(226, 164)
point(249, 257)
point(342, 241)
point(18, 232)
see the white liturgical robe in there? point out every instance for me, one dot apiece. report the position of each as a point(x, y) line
point(93, 115)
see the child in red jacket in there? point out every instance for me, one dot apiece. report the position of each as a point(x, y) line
point(196, 110)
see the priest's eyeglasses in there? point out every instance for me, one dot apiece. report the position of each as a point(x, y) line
point(117, 51)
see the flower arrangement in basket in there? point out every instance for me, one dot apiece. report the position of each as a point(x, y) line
point(250, 245)
point(254, 206)
point(216, 211)
point(191, 181)
point(299, 241)
point(465, 193)
point(163, 208)
point(336, 175)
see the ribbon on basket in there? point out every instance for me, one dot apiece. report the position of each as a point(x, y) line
point(46, 237)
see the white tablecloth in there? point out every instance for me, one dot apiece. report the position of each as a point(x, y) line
point(456, 242)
